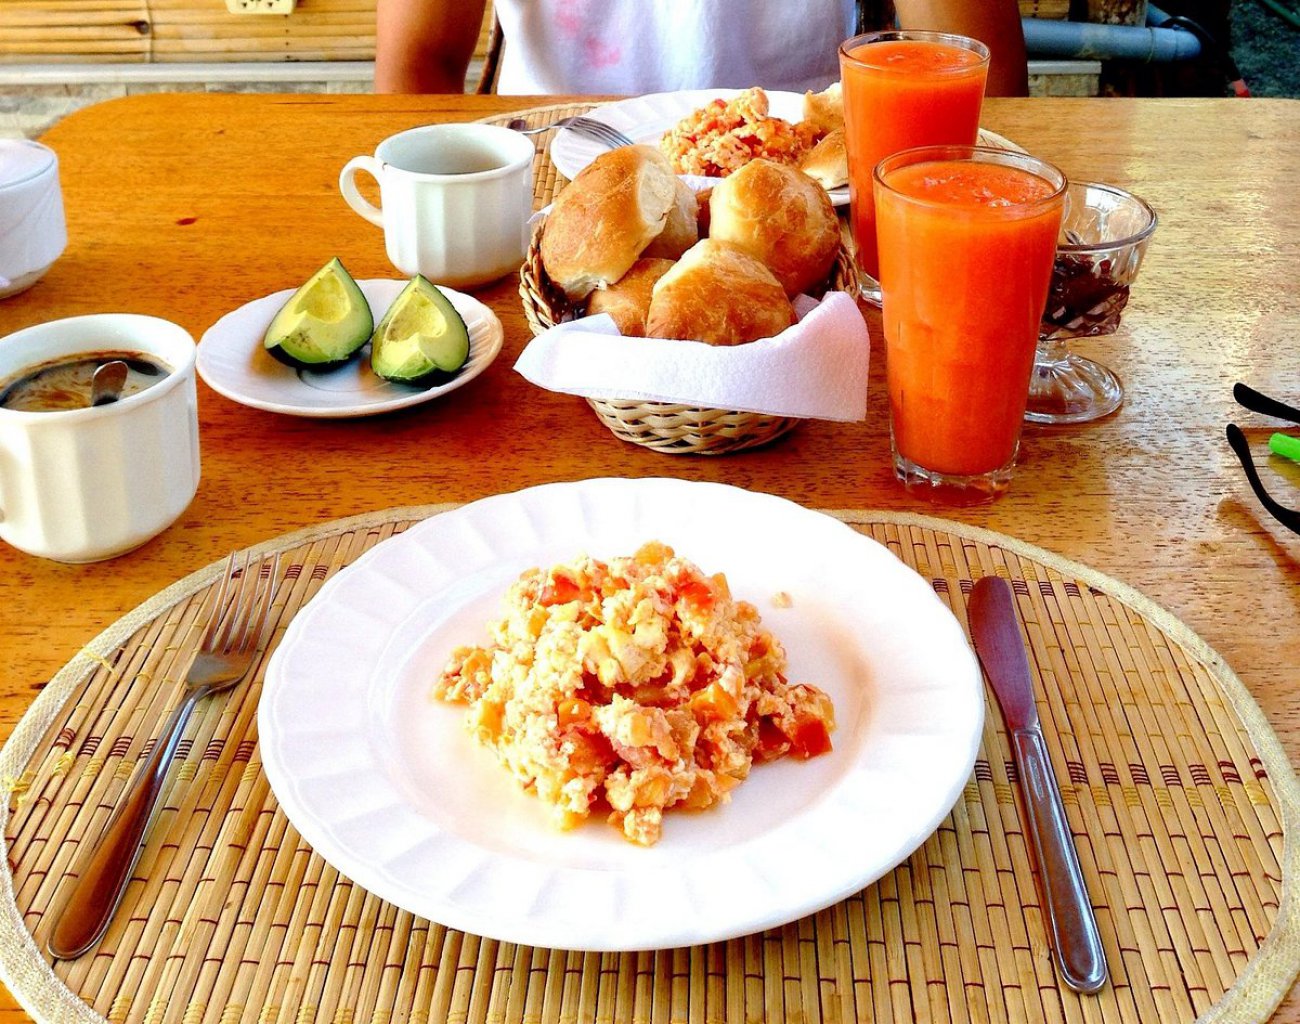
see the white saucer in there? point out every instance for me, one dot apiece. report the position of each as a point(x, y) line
point(234, 363)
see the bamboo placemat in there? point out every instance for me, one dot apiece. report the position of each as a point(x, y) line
point(1178, 793)
point(547, 180)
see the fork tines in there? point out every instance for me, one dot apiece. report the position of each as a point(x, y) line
point(599, 130)
point(237, 620)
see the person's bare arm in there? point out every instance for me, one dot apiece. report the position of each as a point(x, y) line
point(425, 45)
point(996, 23)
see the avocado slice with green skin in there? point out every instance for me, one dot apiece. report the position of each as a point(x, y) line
point(324, 323)
point(421, 339)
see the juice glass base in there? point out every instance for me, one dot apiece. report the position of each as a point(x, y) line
point(1070, 389)
point(868, 288)
point(952, 488)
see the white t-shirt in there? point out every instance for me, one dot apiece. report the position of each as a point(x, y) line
point(626, 47)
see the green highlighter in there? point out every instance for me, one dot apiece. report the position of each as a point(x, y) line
point(1286, 446)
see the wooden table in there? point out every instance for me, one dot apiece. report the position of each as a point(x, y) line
point(187, 206)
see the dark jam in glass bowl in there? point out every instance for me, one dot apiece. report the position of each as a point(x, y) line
point(1087, 294)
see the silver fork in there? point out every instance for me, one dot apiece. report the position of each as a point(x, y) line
point(588, 126)
point(226, 653)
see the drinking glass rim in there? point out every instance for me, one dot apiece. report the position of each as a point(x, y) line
point(1141, 235)
point(981, 50)
point(975, 154)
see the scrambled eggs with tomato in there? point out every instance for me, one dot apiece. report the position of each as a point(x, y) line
point(630, 687)
point(724, 135)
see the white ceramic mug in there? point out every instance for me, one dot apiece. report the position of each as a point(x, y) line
point(455, 200)
point(33, 232)
point(81, 485)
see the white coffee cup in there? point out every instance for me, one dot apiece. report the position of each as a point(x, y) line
point(454, 200)
point(81, 485)
point(33, 232)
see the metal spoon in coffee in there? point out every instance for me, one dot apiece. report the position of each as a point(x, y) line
point(107, 383)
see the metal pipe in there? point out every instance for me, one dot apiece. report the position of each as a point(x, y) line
point(1085, 41)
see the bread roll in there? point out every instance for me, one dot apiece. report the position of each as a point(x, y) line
point(827, 163)
point(605, 217)
point(681, 229)
point(628, 299)
point(824, 110)
point(720, 295)
point(782, 217)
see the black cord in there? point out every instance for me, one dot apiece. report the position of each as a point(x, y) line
point(1287, 517)
point(1207, 38)
point(1249, 398)
point(1209, 41)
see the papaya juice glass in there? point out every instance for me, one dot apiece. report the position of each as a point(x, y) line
point(967, 242)
point(904, 89)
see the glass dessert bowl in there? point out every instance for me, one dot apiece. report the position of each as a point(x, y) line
point(1104, 235)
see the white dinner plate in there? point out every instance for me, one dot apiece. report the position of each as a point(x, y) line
point(389, 787)
point(646, 118)
point(234, 363)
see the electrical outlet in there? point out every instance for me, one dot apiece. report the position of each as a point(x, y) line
point(260, 6)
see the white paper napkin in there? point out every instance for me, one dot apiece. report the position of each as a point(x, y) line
point(816, 369)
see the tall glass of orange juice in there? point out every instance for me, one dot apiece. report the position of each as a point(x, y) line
point(967, 241)
point(904, 89)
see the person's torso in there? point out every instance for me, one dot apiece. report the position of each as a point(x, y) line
point(641, 46)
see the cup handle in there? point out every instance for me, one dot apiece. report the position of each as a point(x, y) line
point(348, 186)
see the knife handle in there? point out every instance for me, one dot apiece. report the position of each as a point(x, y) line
point(1075, 939)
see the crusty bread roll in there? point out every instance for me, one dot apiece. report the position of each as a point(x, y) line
point(605, 217)
point(782, 217)
point(825, 110)
point(827, 163)
point(720, 295)
point(681, 229)
point(628, 299)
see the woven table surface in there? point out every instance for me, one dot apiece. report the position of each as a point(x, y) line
point(1178, 793)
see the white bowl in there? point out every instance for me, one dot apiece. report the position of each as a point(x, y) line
point(33, 233)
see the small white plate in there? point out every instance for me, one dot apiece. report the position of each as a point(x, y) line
point(645, 119)
point(234, 363)
point(389, 787)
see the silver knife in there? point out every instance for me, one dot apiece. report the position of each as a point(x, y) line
point(1075, 941)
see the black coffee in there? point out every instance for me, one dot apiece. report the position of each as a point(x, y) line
point(64, 383)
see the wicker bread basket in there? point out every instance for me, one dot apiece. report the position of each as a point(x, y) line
point(662, 426)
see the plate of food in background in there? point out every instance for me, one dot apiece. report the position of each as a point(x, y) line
point(710, 133)
point(312, 351)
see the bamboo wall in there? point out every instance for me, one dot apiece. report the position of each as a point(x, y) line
point(1056, 10)
point(144, 31)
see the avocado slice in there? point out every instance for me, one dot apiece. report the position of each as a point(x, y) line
point(421, 339)
point(324, 323)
